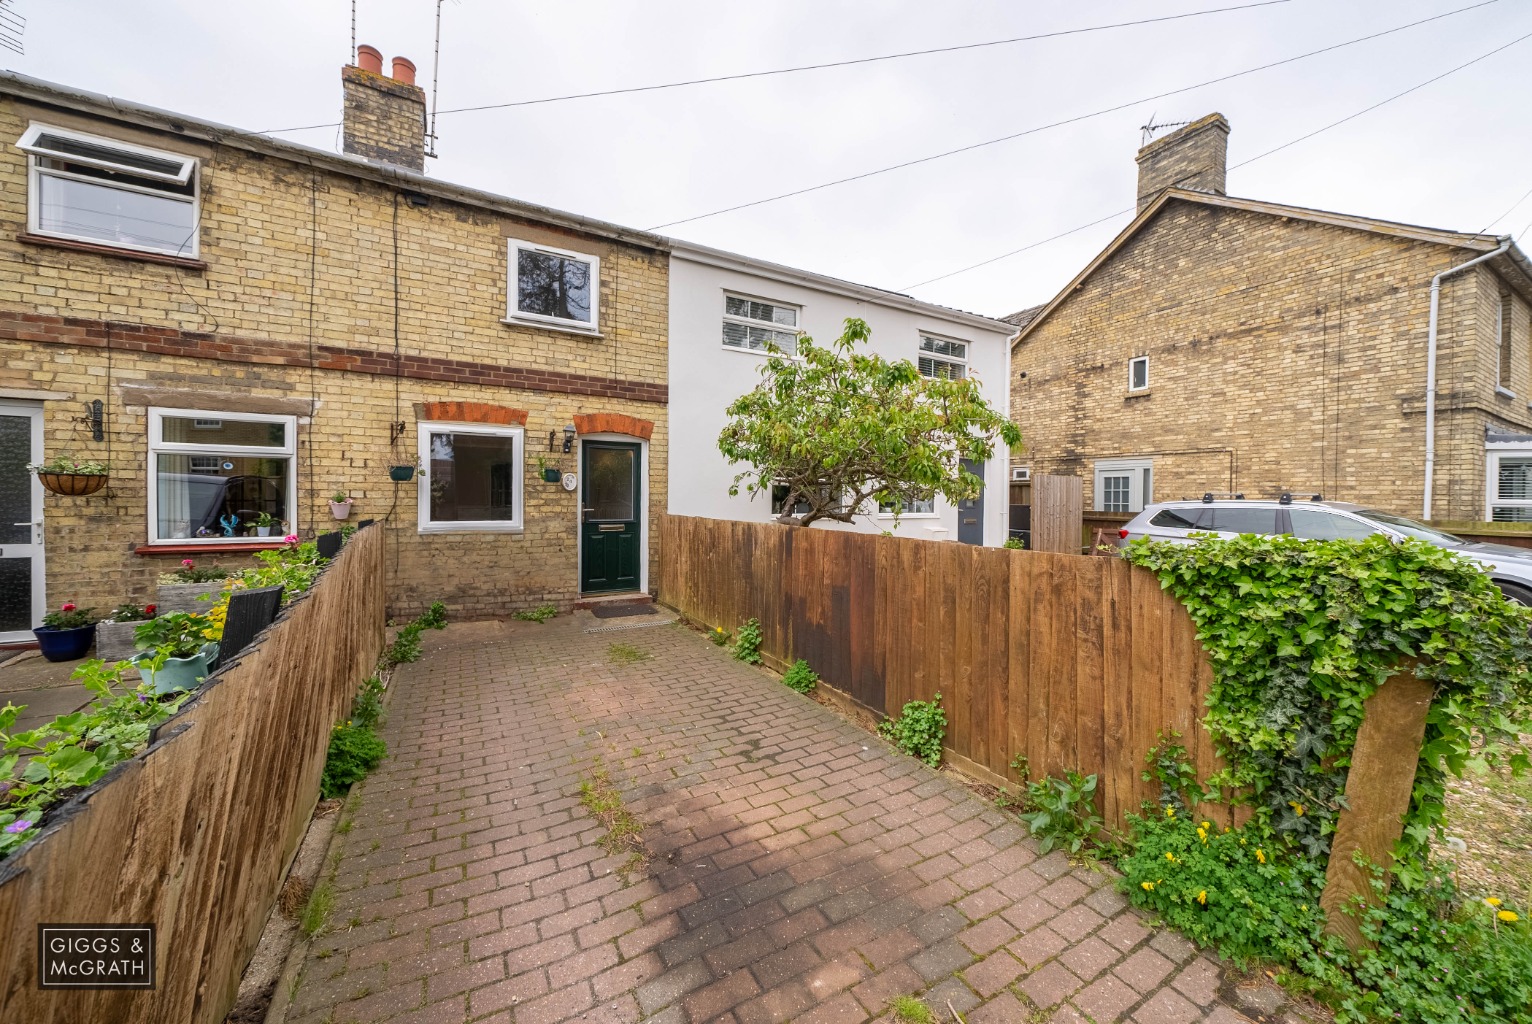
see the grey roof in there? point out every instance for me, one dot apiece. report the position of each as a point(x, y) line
point(1022, 317)
point(1493, 436)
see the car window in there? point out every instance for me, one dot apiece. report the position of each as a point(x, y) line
point(1312, 524)
point(1177, 518)
point(1241, 520)
point(1411, 528)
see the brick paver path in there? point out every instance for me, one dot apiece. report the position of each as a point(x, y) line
point(802, 869)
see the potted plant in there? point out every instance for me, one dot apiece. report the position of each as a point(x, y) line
point(176, 650)
point(70, 476)
point(67, 633)
point(401, 474)
point(190, 588)
point(264, 521)
point(550, 474)
point(114, 634)
point(340, 505)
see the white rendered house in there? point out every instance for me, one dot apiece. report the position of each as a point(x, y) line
point(725, 307)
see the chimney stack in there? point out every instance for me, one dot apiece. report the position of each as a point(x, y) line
point(1193, 157)
point(385, 118)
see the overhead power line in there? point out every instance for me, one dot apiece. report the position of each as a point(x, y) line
point(1068, 120)
point(1243, 163)
point(820, 67)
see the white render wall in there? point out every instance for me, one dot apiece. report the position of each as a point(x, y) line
point(706, 376)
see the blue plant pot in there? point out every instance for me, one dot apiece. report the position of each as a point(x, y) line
point(176, 674)
point(64, 644)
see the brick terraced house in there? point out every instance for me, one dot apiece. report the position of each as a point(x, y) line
point(243, 326)
point(1232, 345)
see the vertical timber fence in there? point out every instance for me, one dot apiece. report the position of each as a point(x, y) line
point(1074, 662)
point(194, 834)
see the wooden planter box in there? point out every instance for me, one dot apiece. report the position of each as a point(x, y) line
point(188, 597)
point(73, 484)
point(114, 640)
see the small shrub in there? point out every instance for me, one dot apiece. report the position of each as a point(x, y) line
point(435, 616)
point(747, 643)
point(367, 707)
point(1063, 811)
point(1013, 544)
point(919, 730)
point(354, 751)
point(800, 677)
point(542, 613)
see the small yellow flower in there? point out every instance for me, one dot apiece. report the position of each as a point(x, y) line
point(1170, 857)
point(1297, 807)
point(1202, 834)
point(1493, 901)
point(1303, 906)
point(1146, 886)
point(1507, 915)
point(1260, 855)
point(1202, 897)
point(1207, 824)
point(1170, 812)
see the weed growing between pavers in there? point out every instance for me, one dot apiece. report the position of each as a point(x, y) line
point(909, 1010)
point(317, 911)
point(624, 832)
point(747, 642)
point(625, 654)
point(541, 614)
point(800, 677)
point(918, 730)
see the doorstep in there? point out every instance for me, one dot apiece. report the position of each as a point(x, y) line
point(621, 597)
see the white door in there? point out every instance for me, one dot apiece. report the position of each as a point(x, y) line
point(21, 521)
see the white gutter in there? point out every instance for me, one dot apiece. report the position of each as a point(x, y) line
point(1436, 291)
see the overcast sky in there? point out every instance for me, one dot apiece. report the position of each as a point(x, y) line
point(1455, 154)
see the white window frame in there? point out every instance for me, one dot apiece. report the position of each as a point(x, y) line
point(961, 362)
point(36, 153)
point(1493, 454)
point(731, 318)
point(908, 514)
point(159, 446)
point(513, 315)
point(1136, 360)
point(517, 522)
point(1140, 473)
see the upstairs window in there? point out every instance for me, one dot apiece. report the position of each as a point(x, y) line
point(90, 189)
point(941, 357)
point(553, 286)
point(1138, 373)
point(756, 326)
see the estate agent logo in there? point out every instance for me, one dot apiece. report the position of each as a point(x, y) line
point(95, 956)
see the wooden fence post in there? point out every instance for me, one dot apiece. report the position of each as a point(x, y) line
point(1056, 514)
point(1378, 788)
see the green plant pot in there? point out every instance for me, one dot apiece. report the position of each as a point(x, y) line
point(177, 674)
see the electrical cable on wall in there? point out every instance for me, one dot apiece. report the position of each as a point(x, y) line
point(313, 290)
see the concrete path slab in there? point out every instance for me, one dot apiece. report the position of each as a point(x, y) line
point(801, 869)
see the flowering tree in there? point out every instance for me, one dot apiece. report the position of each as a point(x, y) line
point(845, 430)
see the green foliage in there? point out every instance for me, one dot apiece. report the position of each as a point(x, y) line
point(542, 613)
point(295, 568)
point(73, 750)
point(627, 654)
point(1013, 544)
point(800, 677)
point(367, 705)
point(846, 430)
point(1253, 897)
point(69, 616)
point(317, 910)
point(747, 642)
point(1301, 633)
point(1172, 769)
point(719, 636)
point(176, 634)
point(435, 617)
point(132, 613)
point(69, 466)
point(354, 751)
point(624, 832)
point(190, 573)
point(909, 1010)
point(407, 646)
point(918, 730)
point(1063, 811)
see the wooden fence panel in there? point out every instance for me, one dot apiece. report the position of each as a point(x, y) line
point(1077, 663)
point(195, 833)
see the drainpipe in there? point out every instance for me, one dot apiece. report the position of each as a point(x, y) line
point(1436, 290)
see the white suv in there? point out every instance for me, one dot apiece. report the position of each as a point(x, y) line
point(1510, 567)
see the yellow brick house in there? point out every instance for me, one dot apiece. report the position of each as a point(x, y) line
point(1234, 345)
point(242, 326)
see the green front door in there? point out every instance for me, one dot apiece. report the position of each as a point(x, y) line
point(611, 494)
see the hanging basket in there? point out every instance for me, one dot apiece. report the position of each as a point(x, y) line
point(73, 484)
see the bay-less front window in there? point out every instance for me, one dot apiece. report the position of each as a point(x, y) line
point(472, 478)
point(553, 286)
point(942, 357)
point(91, 189)
point(216, 475)
point(757, 326)
point(1510, 487)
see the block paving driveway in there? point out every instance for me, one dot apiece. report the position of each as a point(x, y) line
point(802, 870)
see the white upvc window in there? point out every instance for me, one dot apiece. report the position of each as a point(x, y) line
point(1124, 485)
point(915, 507)
point(1138, 373)
point(471, 478)
point(943, 357)
point(86, 188)
point(758, 325)
point(555, 287)
point(216, 484)
point(1509, 479)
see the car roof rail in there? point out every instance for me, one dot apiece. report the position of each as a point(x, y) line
point(1209, 496)
point(1288, 496)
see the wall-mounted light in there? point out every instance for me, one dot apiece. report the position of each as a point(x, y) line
point(569, 436)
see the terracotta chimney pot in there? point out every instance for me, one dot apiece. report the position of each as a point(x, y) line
point(404, 70)
point(369, 58)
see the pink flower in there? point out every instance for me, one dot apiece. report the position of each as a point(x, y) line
point(291, 538)
point(67, 606)
point(188, 562)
